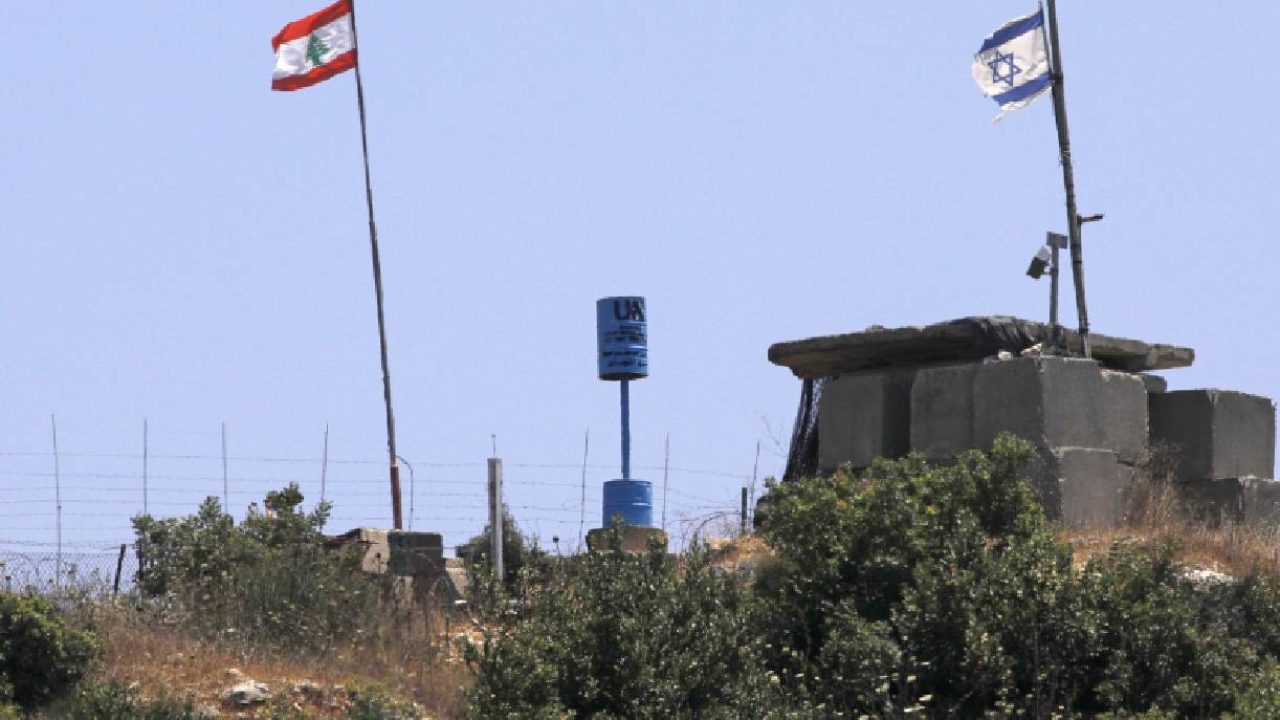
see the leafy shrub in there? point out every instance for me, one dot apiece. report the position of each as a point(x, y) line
point(371, 702)
point(1158, 646)
point(41, 657)
point(942, 561)
point(113, 701)
point(912, 590)
point(521, 556)
point(950, 587)
point(269, 579)
point(1260, 698)
point(619, 635)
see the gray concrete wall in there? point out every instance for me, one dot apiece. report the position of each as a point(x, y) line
point(1060, 402)
point(1092, 427)
point(1007, 398)
point(1124, 416)
point(1215, 434)
point(942, 411)
point(1249, 500)
point(863, 416)
point(1090, 485)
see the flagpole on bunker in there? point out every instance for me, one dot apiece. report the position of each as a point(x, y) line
point(377, 287)
point(1068, 177)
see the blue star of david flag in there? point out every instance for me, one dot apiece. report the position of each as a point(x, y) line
point(1012, 66)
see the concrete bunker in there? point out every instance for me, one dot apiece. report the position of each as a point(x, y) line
point(945, 388)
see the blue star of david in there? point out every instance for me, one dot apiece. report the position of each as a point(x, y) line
point(1003, 59)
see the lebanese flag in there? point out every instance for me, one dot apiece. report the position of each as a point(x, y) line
point(315, 48)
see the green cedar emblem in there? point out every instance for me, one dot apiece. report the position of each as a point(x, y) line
point(316, 50)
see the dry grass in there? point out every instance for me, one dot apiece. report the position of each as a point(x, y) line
point(1232, 550)
point(1157, 512)
point(162, 659)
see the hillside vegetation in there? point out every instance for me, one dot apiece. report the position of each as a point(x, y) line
point(913, 591)
point(908, 591)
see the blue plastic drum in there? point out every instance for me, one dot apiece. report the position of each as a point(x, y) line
point(622, 338)
point(630, 500)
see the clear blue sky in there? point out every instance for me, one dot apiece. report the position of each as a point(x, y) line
point(179, 243)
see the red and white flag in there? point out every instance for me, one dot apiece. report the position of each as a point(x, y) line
point(315, 48)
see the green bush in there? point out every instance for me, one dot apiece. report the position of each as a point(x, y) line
point(269, 579)
point(1259, 699)
point(910, 591)
point(618, 635)
point(948, 586)
point(41, 657)
point(944, 562)
point(114, 701)
point(371, 702)
point(1159, 645)
point(522, 559)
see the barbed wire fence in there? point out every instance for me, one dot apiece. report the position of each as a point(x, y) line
point(64, 517)
point(69, 574)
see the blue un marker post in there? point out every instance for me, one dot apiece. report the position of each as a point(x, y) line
point(623, 356)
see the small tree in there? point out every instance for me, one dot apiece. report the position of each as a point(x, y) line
point(622, 635)
point(520, 553)
point(41, 657)
point(269, 579)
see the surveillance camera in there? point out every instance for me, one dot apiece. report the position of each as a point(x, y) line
point(1039, 263)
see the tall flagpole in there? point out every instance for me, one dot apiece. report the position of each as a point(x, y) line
point(1068, 177)
point(377, 287)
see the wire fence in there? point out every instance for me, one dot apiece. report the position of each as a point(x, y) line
point(80, 504)
point(69, 574)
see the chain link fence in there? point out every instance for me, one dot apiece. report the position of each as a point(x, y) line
point(80, 574)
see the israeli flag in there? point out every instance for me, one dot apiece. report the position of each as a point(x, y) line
point(1012, 66)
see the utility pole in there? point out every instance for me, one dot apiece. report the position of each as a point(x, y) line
point(495, 516)
point(145, 511)
point(666, 476)
point(1068, 177)
point(742, 522)
point(57, 499)
point(582, 501)
point(226, 502)
point(324, 463)
point(755, 473)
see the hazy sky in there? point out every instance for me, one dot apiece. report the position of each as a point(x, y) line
point(179, 243)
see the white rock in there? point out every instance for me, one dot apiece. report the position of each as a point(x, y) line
point(249, 692)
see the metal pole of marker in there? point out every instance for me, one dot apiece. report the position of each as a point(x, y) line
point(622, 334)
point(626, 428)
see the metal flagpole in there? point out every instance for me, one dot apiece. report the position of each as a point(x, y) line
point(1068, 177)
point(377, 286)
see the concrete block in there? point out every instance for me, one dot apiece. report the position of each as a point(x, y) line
point(1249, 501)
point(1082, 487)
point(1261, 502)
point(1051, 401)
point(1124, 415)
point(1154, 383)
point(415, 554)
point(863, 416)
point(630, 540)
point(1008, 397)
point(1215, 434)
point(942, 411)
point(377, 551)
